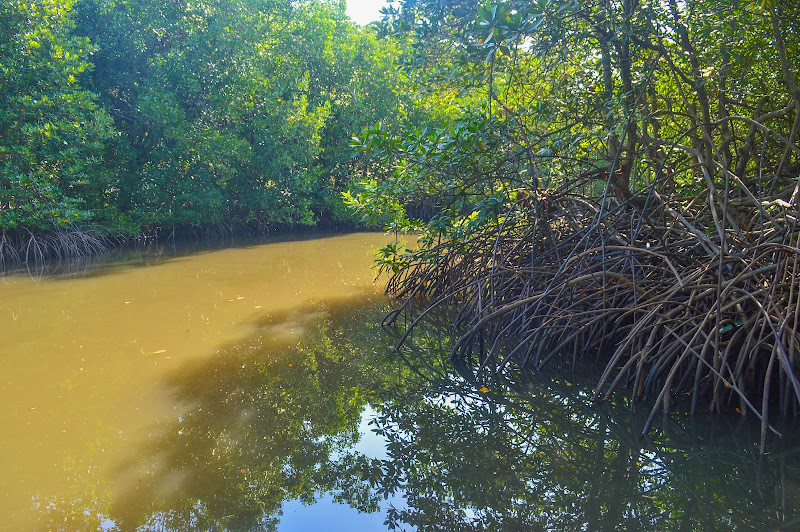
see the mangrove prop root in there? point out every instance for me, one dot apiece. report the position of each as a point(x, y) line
point(675, 307)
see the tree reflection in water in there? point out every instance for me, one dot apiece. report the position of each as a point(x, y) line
point(266, 420)
point(273, 421)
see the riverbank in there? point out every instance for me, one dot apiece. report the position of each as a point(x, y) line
point(43, 250)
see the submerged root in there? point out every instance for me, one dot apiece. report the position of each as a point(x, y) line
point(705, 312)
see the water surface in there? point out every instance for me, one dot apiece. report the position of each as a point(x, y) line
point(251, 388)
point(88, 361)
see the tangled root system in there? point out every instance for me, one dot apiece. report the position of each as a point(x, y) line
point(690, 298)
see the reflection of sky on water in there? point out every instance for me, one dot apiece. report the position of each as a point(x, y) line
point(370, 444)
point(331, 516)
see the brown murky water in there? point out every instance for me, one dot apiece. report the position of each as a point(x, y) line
point(84, 359)
point(252, 388)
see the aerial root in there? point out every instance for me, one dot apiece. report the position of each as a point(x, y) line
point(671, 309)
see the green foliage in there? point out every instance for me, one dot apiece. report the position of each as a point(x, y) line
point(452, 168)
point(393, 258)
point(209, 111)
point(53, 133)
point(543, 94)
point(235, 111)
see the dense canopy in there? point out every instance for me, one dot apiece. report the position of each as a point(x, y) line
point(122, 117)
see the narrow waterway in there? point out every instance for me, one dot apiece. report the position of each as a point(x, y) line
point(251, 388)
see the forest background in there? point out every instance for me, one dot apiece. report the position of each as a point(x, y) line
point(127, 118)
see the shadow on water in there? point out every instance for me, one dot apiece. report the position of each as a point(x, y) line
point(273, 419)
point(149, 252)
point(266, 417)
